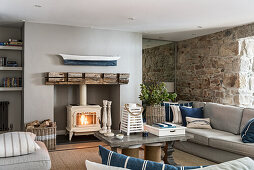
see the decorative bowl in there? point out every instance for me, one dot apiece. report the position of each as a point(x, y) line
point(119, 136)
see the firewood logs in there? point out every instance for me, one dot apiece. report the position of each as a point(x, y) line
point(36, 123)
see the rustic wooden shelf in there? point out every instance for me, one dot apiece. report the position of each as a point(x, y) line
point(11, 68)
point(65, 78)
point(11, 48)
point(11, 88)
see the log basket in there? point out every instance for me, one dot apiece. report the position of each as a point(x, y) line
point(47, 135)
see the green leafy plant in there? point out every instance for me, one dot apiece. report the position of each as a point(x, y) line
point(155, 94)
point(172, 96)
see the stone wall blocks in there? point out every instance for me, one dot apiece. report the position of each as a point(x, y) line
point(231, 80)
point(229, 49)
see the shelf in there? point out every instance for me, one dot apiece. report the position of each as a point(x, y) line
point(11, 68)
point(10, 48)
point(11, 88)
point(63, 78)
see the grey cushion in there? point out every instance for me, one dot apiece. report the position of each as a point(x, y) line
point(247, 115)
point(38, 160)
point(245, 163)
point(198, 104)
point(232, 144)
point(201, 136)
point(224, 117)
point(207, 152)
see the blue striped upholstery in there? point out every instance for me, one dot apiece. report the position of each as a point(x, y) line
point(111, 158)
point(168, 110)
point(247, 134)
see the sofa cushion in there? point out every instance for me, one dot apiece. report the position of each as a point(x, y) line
point(97, 166)
point(111, 158)
point(201, 136)
point(16, 144)
point(168, 111)
point(38, 160)
point(191, 112)
point(224, 117)
point(198, 104)
point(247, 134)
point(198, 123)
point(245, 163)
point(247, 115)
point(233, 144)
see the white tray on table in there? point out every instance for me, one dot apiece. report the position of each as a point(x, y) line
point(178, 130)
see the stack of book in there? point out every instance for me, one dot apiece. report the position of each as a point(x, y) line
point(3, 61)
point(12, 42)
point(11, 64)
point(12, 82)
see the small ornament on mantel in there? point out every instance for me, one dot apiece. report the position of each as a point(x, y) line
point(104, 117)
point(109, 122)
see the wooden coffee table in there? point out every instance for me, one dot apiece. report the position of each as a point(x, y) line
point(137, 139)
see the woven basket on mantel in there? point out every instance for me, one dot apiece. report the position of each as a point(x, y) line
point(47, 135)
point(155, 114)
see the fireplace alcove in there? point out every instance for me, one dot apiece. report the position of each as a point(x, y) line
point(65, 95)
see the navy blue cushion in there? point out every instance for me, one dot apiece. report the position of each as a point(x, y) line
point(111, 158)
point(169, 112)
point(247, 133)
point(191, 112)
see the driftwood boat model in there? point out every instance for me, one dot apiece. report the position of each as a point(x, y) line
point(89, 60)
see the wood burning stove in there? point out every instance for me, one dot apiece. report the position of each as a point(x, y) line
point(83, 119)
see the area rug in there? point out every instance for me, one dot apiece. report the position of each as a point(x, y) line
point(73, 156)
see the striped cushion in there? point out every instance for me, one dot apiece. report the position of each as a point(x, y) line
point(247, 134)
point(16, 144)
point(169, 112)
point(111, 158)
point(198, 123)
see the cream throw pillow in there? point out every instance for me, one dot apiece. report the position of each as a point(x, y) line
point(177, 116)
point(16, 144)
point(198, 123)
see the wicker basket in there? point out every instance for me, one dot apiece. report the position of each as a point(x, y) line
point(155, 114)
point(46, 134)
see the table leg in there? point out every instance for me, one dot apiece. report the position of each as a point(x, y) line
point(168, 151)
point(114, 149)
point(153, 153)
point(132, 152)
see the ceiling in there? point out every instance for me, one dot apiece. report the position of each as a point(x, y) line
point(157, 19)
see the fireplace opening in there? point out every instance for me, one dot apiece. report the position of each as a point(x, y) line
point(87, 118)
point(69, 95)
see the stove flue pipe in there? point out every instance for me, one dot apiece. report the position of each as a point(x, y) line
point(83, 94)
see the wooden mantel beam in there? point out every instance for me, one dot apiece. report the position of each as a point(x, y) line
point(72, 78)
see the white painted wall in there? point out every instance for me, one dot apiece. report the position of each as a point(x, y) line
point(44, 41)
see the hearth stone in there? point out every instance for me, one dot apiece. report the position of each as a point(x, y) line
point(83, 120)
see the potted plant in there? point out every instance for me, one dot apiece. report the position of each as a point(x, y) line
point(152, 96)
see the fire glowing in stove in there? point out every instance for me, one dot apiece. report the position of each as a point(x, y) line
point(83, 120)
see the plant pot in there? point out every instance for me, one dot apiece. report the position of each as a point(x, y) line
point(155, 114)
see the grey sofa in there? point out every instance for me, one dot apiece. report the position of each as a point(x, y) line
point(223, 142)
point(38, 160)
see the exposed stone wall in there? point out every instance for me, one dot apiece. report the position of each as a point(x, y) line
point(217, 67)
point(159, 64)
